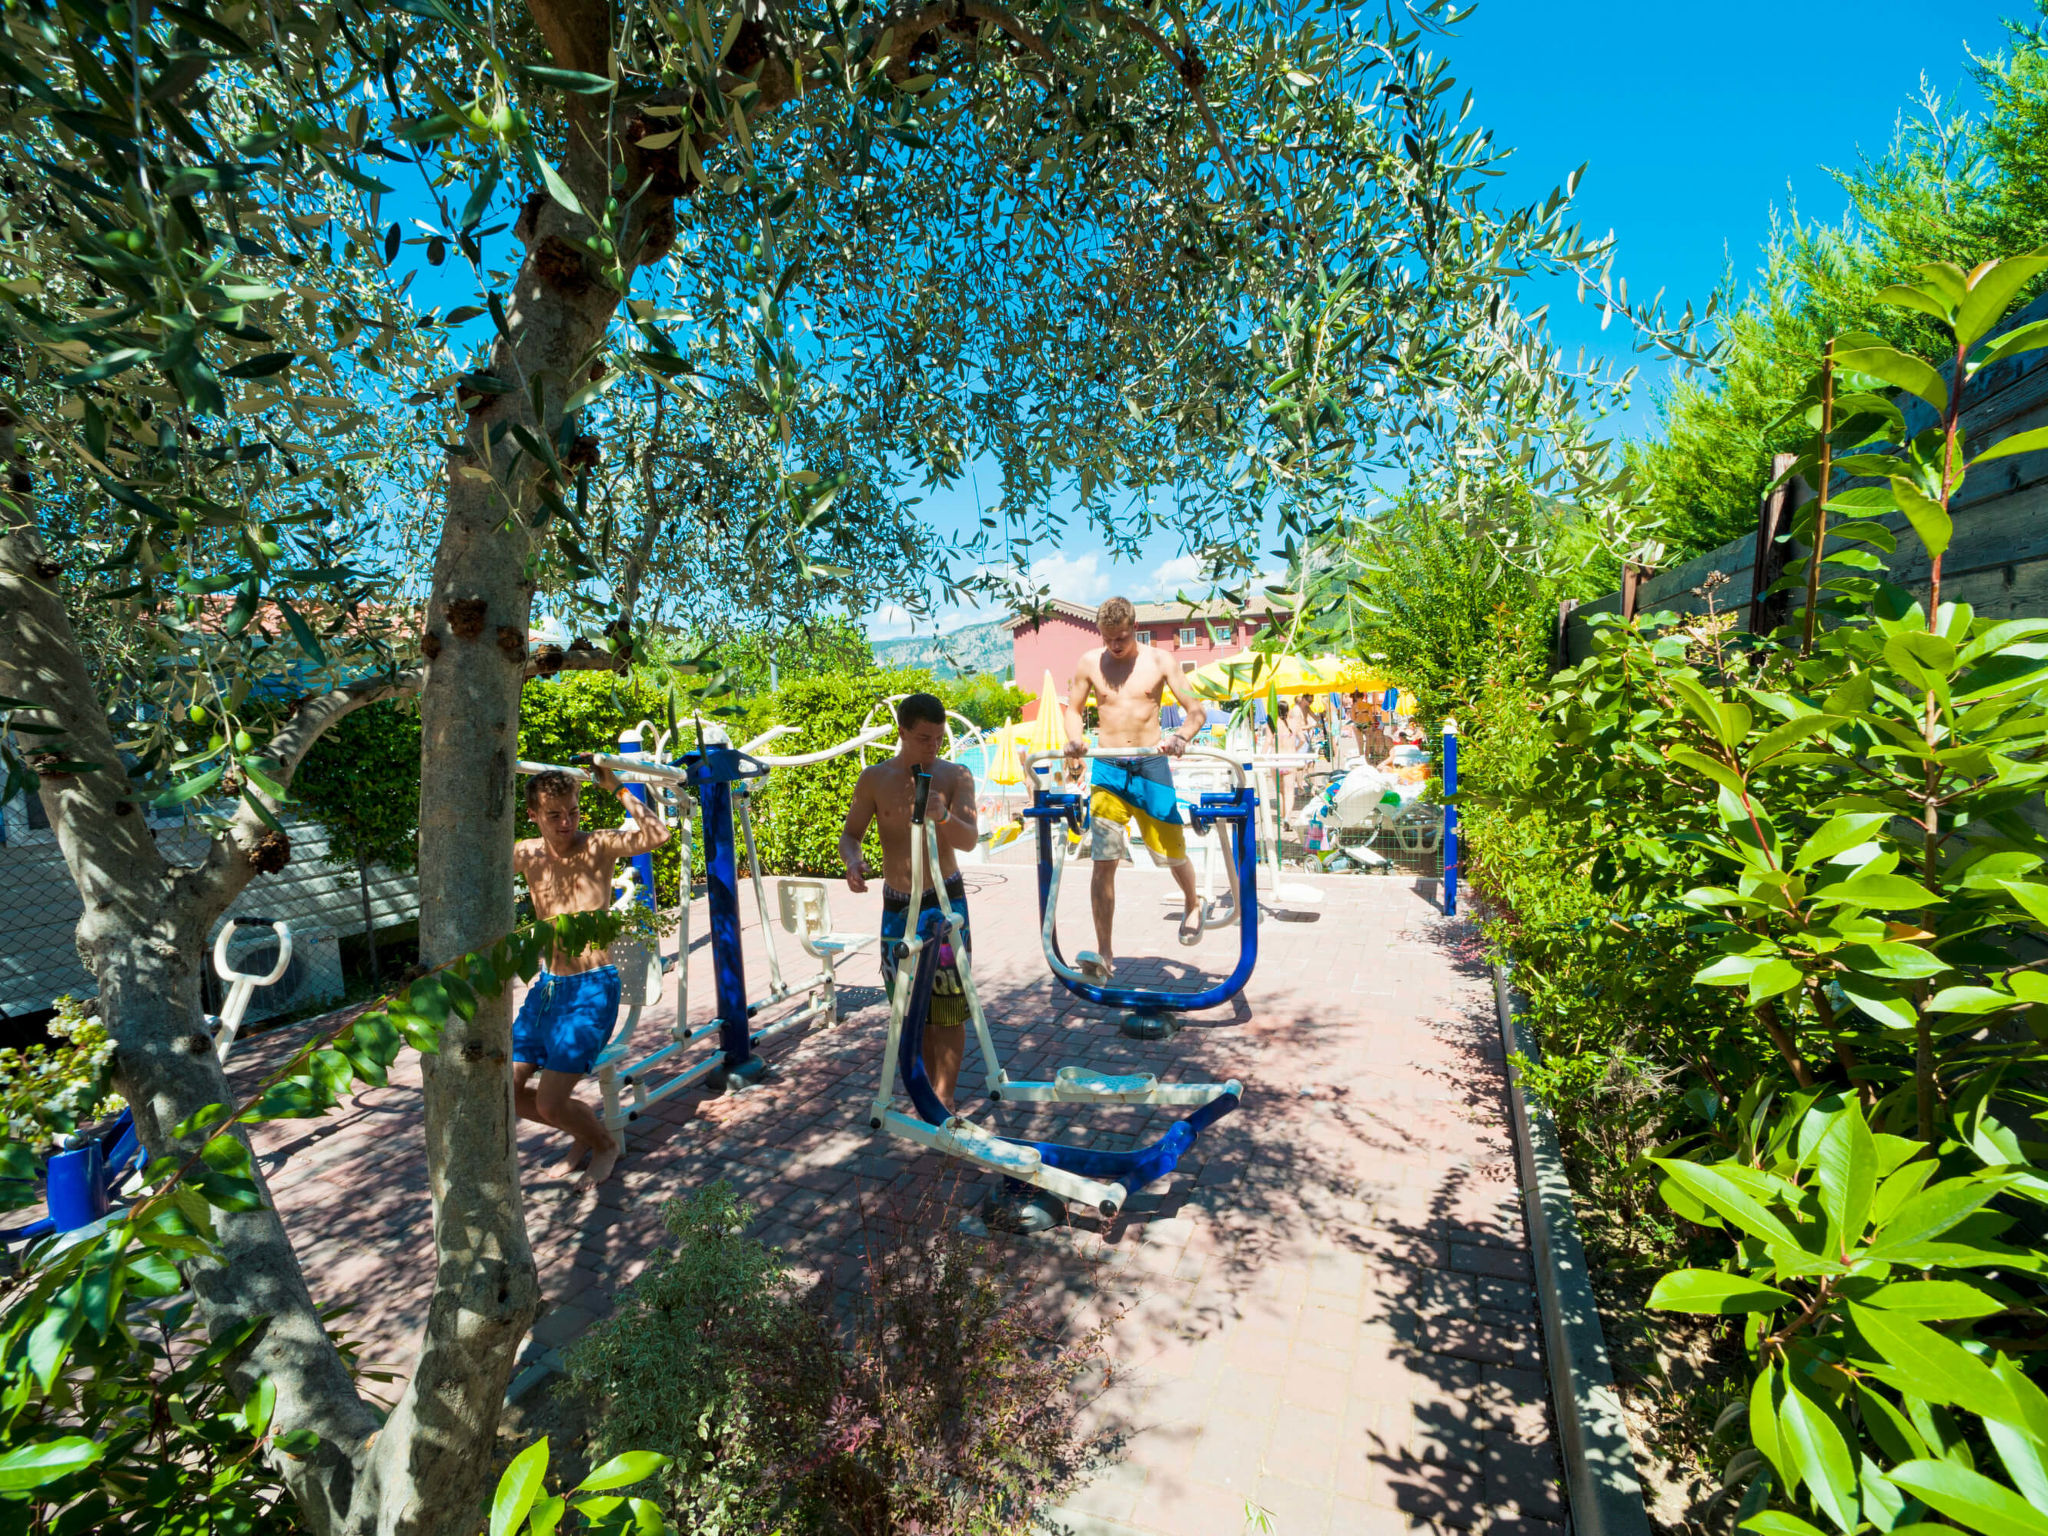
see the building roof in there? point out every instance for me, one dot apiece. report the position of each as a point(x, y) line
point(1150, 613)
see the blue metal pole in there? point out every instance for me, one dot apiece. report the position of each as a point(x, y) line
point(717, 768)
point(1450, 819)
point(643, 863)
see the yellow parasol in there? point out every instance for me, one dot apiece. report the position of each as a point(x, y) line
point(1247, 676)
point(1048, 732)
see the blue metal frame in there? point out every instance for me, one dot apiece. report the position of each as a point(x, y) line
point(1450, 822)
point(643, 863)
point(1235, 810)
point(711, 772)
point(80, 1185)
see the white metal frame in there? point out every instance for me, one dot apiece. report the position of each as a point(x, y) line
point(242, 984)
point(960, 1137)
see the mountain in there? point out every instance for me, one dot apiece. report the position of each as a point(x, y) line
point(977, 648)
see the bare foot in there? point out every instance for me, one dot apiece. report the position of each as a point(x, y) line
point(602, 1162)
point(570, 1159)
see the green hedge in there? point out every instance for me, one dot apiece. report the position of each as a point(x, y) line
point(797, 811)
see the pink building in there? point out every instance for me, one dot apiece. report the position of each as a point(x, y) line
point(1192, 636)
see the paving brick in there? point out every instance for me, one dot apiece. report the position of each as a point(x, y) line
point(1272, 1305)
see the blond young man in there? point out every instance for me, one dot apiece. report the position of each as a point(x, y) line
point(1127, 682)
point(573, 1005)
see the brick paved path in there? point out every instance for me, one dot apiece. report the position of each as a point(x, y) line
point(1323, 1319)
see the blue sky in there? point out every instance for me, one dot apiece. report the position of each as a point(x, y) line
point(1695, 122)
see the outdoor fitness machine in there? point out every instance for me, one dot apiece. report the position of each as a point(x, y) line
point(719, 775)
point(1102, 1179)
point(82, 1182)
point(1231, 813)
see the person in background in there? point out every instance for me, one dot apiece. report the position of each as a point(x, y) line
point(1129, 682)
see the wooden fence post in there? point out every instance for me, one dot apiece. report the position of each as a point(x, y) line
point(1561, 641)
point(1632, 578)
point(1768, 609)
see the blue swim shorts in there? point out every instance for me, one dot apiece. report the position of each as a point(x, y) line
point(566, 1020)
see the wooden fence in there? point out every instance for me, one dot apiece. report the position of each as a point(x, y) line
point(1997, 561)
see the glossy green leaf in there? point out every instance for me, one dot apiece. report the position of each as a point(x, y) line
point(44, 1461)
point(1916, 1358)
point(1845, 1165)
point(1814, 1445)
point(1930, 1213)
point(1838, 834)
point(1710, 1290)
point(1897, 369)
point(1997, 285)
point(623, 1470)
point(1725, 1196)
point(1929, 517)
point(1970, 1498)
point(518, 1488)
point(1934, 1300)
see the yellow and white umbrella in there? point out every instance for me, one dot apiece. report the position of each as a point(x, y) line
point(1255, 673)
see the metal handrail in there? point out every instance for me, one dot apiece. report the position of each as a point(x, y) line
point(1119, 754)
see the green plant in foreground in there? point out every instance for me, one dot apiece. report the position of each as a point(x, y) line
point(115, 1415)
point(1889, 1322)
point(1878, 901)
point(522, 1502)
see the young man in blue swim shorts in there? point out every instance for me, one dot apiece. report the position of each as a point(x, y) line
point(1127, 680)
point(885, 796)
point(573, 1005)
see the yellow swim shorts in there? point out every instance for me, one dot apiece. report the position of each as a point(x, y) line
point(1109, 837)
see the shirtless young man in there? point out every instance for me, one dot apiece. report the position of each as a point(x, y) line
point(885, 795)
point(1127, 681)
point(573, 1005)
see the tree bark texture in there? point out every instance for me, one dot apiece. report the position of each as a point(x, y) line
point(142, 937)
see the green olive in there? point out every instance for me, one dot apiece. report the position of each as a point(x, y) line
point(196, 715)
point(216, 741)
point(243, 741)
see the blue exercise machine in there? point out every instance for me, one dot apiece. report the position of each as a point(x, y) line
point(82, 1183)
point(1102, 1179)
point(1232, 814)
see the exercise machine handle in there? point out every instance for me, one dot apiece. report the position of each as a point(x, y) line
point(923, 781)
point(228, 973)
point(1117, 754)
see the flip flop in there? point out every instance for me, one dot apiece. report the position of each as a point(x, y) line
point(1191, 928)
point(1094, 967)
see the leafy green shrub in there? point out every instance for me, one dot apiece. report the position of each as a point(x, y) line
point(985, 699)
point(948, 1413)
point(48, 1091)
point(798, 811)
point(361, 782)
point(1816, 863)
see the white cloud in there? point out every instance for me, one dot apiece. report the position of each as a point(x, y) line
point(1170, 576)
point(1075, 578)
point(889, 622)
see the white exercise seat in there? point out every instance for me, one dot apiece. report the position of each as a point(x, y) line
point(805, 908)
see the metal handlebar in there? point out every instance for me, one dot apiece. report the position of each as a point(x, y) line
point(226, 973)
point(866, 738)
point(1190, 754)
point(242, 983)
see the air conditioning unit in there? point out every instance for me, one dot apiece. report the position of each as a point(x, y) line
point(312, 979)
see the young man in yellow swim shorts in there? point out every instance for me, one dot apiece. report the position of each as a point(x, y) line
point(1127, 681)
